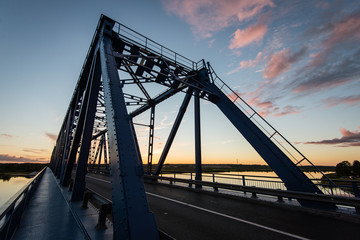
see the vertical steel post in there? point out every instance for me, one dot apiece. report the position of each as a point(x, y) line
point(59, 152)
point(173, 131)
point(78, 131)
point(151, 140)
point(105, 153)
point(100, 149)
point(198, 176)
point(131, 216)
point(79, 183)
point(67, 142)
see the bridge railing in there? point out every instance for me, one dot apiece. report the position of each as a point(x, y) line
point(346, 188)
point(255, 191)
point(147, 44)
point(12, 210)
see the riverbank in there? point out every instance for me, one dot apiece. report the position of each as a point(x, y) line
point(8, 170)
point(232, 168)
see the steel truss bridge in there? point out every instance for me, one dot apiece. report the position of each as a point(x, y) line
point(121, 72)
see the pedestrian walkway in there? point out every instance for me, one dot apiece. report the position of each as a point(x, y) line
point(50, 216)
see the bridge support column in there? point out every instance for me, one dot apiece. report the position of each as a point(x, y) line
point(198, 176)
point(131, 216)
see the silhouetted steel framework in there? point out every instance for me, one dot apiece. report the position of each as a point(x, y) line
point(99, 108)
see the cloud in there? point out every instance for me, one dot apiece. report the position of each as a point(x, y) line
point(6, 135)
point(336, 61)
point(343, 32)
point(348, 139)
point(35, 150)
point(51, 136)
point(350, 100)
point(254, 33)
point(209, 16)
point(211, 42)
point(287, 111)
point(281, 62)
point(348, 29)
point(265, 107)
point(332, 74)
point(5, 158)
point(246, 64)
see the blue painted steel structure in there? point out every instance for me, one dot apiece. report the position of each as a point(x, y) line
point(101, 104)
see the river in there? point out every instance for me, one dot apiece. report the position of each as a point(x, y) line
point(9, 187)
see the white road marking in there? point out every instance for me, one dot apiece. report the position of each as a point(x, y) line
point(102, 180)
point(219, 214)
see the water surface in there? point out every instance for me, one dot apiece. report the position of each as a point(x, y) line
point(8, 187)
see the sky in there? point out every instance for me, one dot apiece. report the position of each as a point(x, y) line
point(296, 62)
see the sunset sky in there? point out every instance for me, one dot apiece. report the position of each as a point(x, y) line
point(296, 62)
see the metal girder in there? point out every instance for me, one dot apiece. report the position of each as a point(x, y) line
point(165, 95)
point(131, 216)
point(101, 148)
point(67, 142)
point(198, 175)
point(292, 176)
point(94, 80)
point(78, 131)
point(105, 154)
point(143, 90)
point(151, 139)
point(173, 131)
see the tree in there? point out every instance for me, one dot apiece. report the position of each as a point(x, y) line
point(343, 169)
point(356, 168)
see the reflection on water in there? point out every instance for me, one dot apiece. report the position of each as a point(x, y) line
point(264, 180)
point(9, 186)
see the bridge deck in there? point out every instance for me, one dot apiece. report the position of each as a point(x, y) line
point(50, 216)
point(185, 214)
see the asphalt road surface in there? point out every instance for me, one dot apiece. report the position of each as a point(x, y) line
point(185, 214)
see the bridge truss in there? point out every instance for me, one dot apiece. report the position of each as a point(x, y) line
point(99, 127)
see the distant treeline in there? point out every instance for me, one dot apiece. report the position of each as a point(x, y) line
point(233, 168)
point(18, 168)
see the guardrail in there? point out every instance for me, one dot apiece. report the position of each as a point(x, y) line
point(147, 44)
point(12, 210)
point(346, 188)
point(103, 205)
point(280, 194)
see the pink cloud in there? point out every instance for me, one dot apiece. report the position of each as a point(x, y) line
point(277, 64)
point(254, 33)
point(251, 63)
point(5, 158)
point(265, 108)
point(350, 100)
point(341, 32)
point(287, 111)
point(348, 28)
point(348, 139)
point(6, 135)
point(246, 64)
point(209, 16)
point(281, 62)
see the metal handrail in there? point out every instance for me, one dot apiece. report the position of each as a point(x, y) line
point(343, 187)
point(132, 36)
point(338, 200)
point(12, 210)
